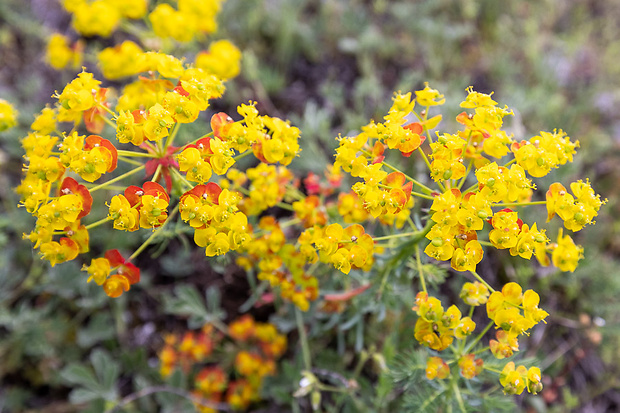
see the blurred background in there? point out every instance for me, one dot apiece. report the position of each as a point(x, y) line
point(329, 66)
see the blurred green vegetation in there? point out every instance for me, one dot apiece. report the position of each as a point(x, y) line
point(329, 66)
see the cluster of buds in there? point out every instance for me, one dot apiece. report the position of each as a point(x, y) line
point(515, 380)
point(469, 366)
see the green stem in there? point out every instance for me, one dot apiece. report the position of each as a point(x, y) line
point(473, 188)
point(303, 338)
point(172, 136)
point(459, 397)
point(479, 337)
point(482, 350)
point(420, 272)
point(510, 163)
point(460, 185)
point(120, 188)
point(160, 149)
point(431, 399)
point(491, 369)
point(242, 155)
point(428, 165)
point(109, 122)
point(290, 223)
point(294, 192)
point(286, 206)
point(129, 161)
point(220, 326)
point(118, 178)
point(151, 147)
point(97, 223)
point(333, 389)
point(107, 109)
point(404, 234)
point(132, 154)
point(479, 278)
point(182, 178)
point(419, 195)
point(520, 203)
point(157, 172)
point(153, 235)
point(360, 364)
point(197, 139)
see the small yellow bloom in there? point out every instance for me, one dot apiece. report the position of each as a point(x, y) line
point(8, 115)
point(429, 97)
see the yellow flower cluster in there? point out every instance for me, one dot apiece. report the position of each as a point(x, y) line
point(513, 310)
point(192, 18)
point(267, 186)
point(515, 380)
point(281, 264)
point(541, 154)
point(344, 248)
point(219, 225)
point(217, 381)
point(576, 210)
point(436, 328)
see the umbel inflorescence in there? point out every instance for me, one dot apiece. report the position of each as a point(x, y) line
point(478, 179)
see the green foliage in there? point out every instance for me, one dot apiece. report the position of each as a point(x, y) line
point(92, 383)
point(188, 302)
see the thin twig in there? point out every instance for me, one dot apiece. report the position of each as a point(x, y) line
point(164, 389)
point(335, 377)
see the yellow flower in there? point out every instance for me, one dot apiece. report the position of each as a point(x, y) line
point(470, 366)
point(168, 22)
point(120, 61)
point(153, 211)
point(45, 122)
point(476, 99)
point(474, 294)
point(436, 368)
point(99, 18)
point(513, 379)
point(566, 254)
point(125, 217)
point(8, 115)
point(222, 59)
point(60, 54)
point(429, 97)
point(58, 252)
point(158, 123)
point(98, 270)
point(132, 9)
